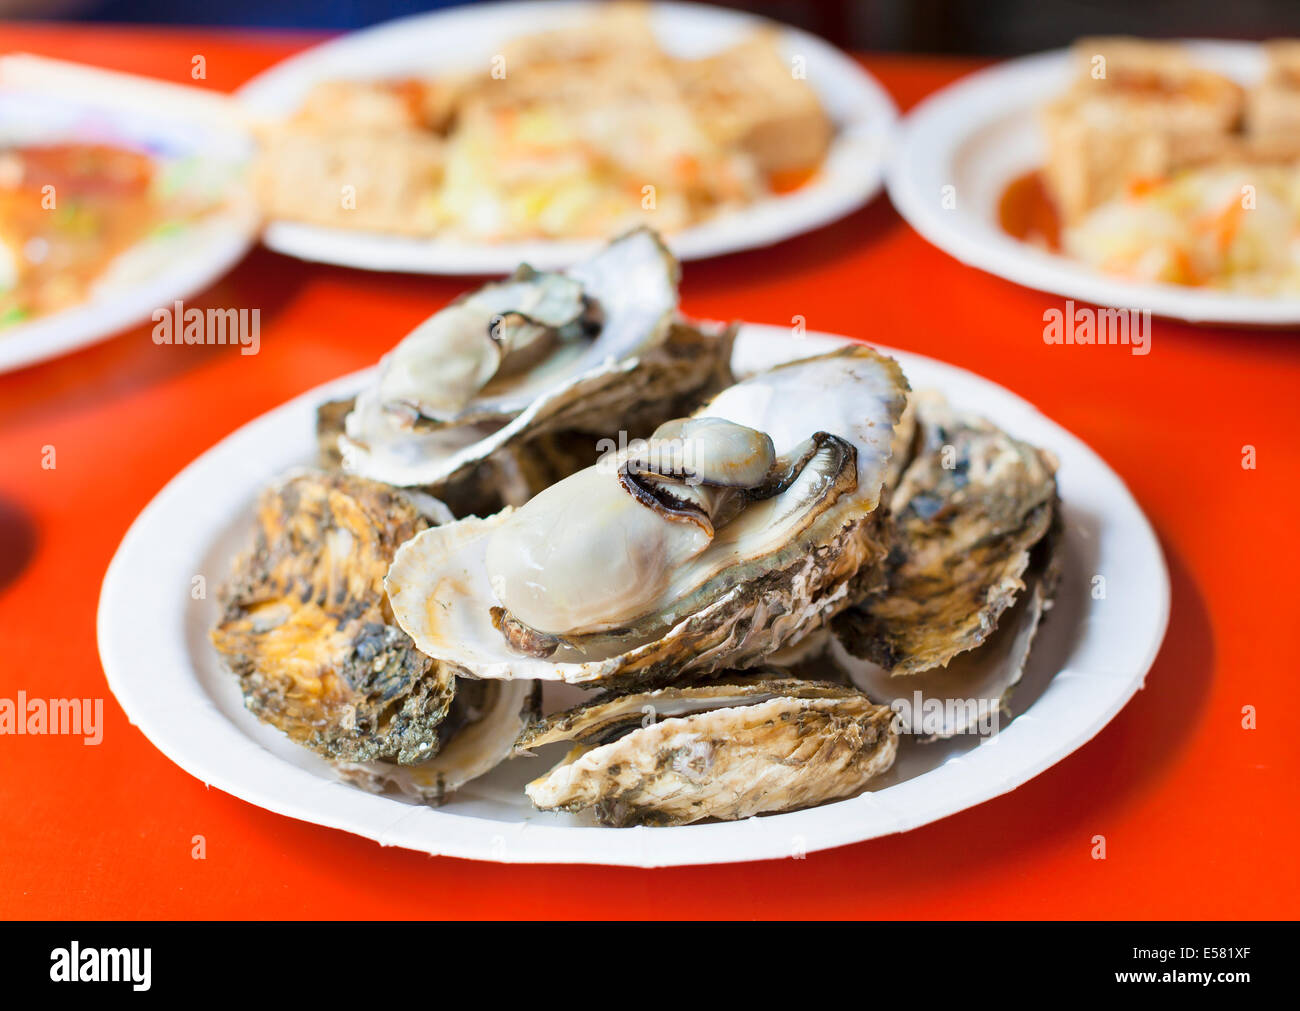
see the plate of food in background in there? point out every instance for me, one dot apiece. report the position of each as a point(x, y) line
point(571, 577)
point(118, 195)
point(470, 140)
point(1157, 176)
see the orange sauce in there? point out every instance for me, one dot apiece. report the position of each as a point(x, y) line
point(790, 180)
point(66, 210)
point(1026, 211)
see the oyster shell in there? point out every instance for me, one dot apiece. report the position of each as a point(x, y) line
point(966, 512)
point(974, 689)
point(479, 733)
point(307, 629)
point(533, 343)
point(644, 576)
point(330, 418)
point(728, 749)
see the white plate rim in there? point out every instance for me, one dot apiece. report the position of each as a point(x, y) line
point(211, 246)
point(110, 312)
point(864, 142)
point(936, 128)
point(180, 719)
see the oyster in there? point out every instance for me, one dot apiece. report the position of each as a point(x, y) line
point(537, 342)
point(731, 749)
point(307, 629)
point(972, 570)
point(966, 512)
point(973, 690)
point(563, 431)
point(642, 568)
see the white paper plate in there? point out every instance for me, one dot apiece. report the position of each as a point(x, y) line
point(468, 37)
point(981, 132)
point(46, 102)
point(1090, 657)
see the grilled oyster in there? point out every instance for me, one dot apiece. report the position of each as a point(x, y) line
point(731, 749)
point(307, 629)
point(966, 512)
point(503, 350)
point(560, 432)
point(732, 534)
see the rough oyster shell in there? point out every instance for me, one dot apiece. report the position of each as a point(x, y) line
point(435, 401)
point(973, 690)
point(966, 512)
point(480, 731)
point(730, 749)
point(779, 571)
point(307, 629)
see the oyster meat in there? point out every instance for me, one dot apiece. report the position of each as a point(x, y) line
point(307, 629)
point(729, 749)
point(727, 536)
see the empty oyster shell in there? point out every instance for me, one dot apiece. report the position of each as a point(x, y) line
point(494, 354)
point(972, 692)
point(653, 582)
point(307, 629)
point(728, 749)
point(966, 512)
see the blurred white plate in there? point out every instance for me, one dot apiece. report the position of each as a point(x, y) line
point(46, 101)
point(468, 37)
point(980, 133)
point(1090, 657)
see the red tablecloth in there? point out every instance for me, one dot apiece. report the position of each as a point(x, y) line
point(1200, 815)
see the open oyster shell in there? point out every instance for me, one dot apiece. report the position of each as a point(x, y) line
point(971, 572)
point(728, 749)
point(307, 629)
point(760, 576)
point(537, 344)
point(968, 508)
point(973, 691)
